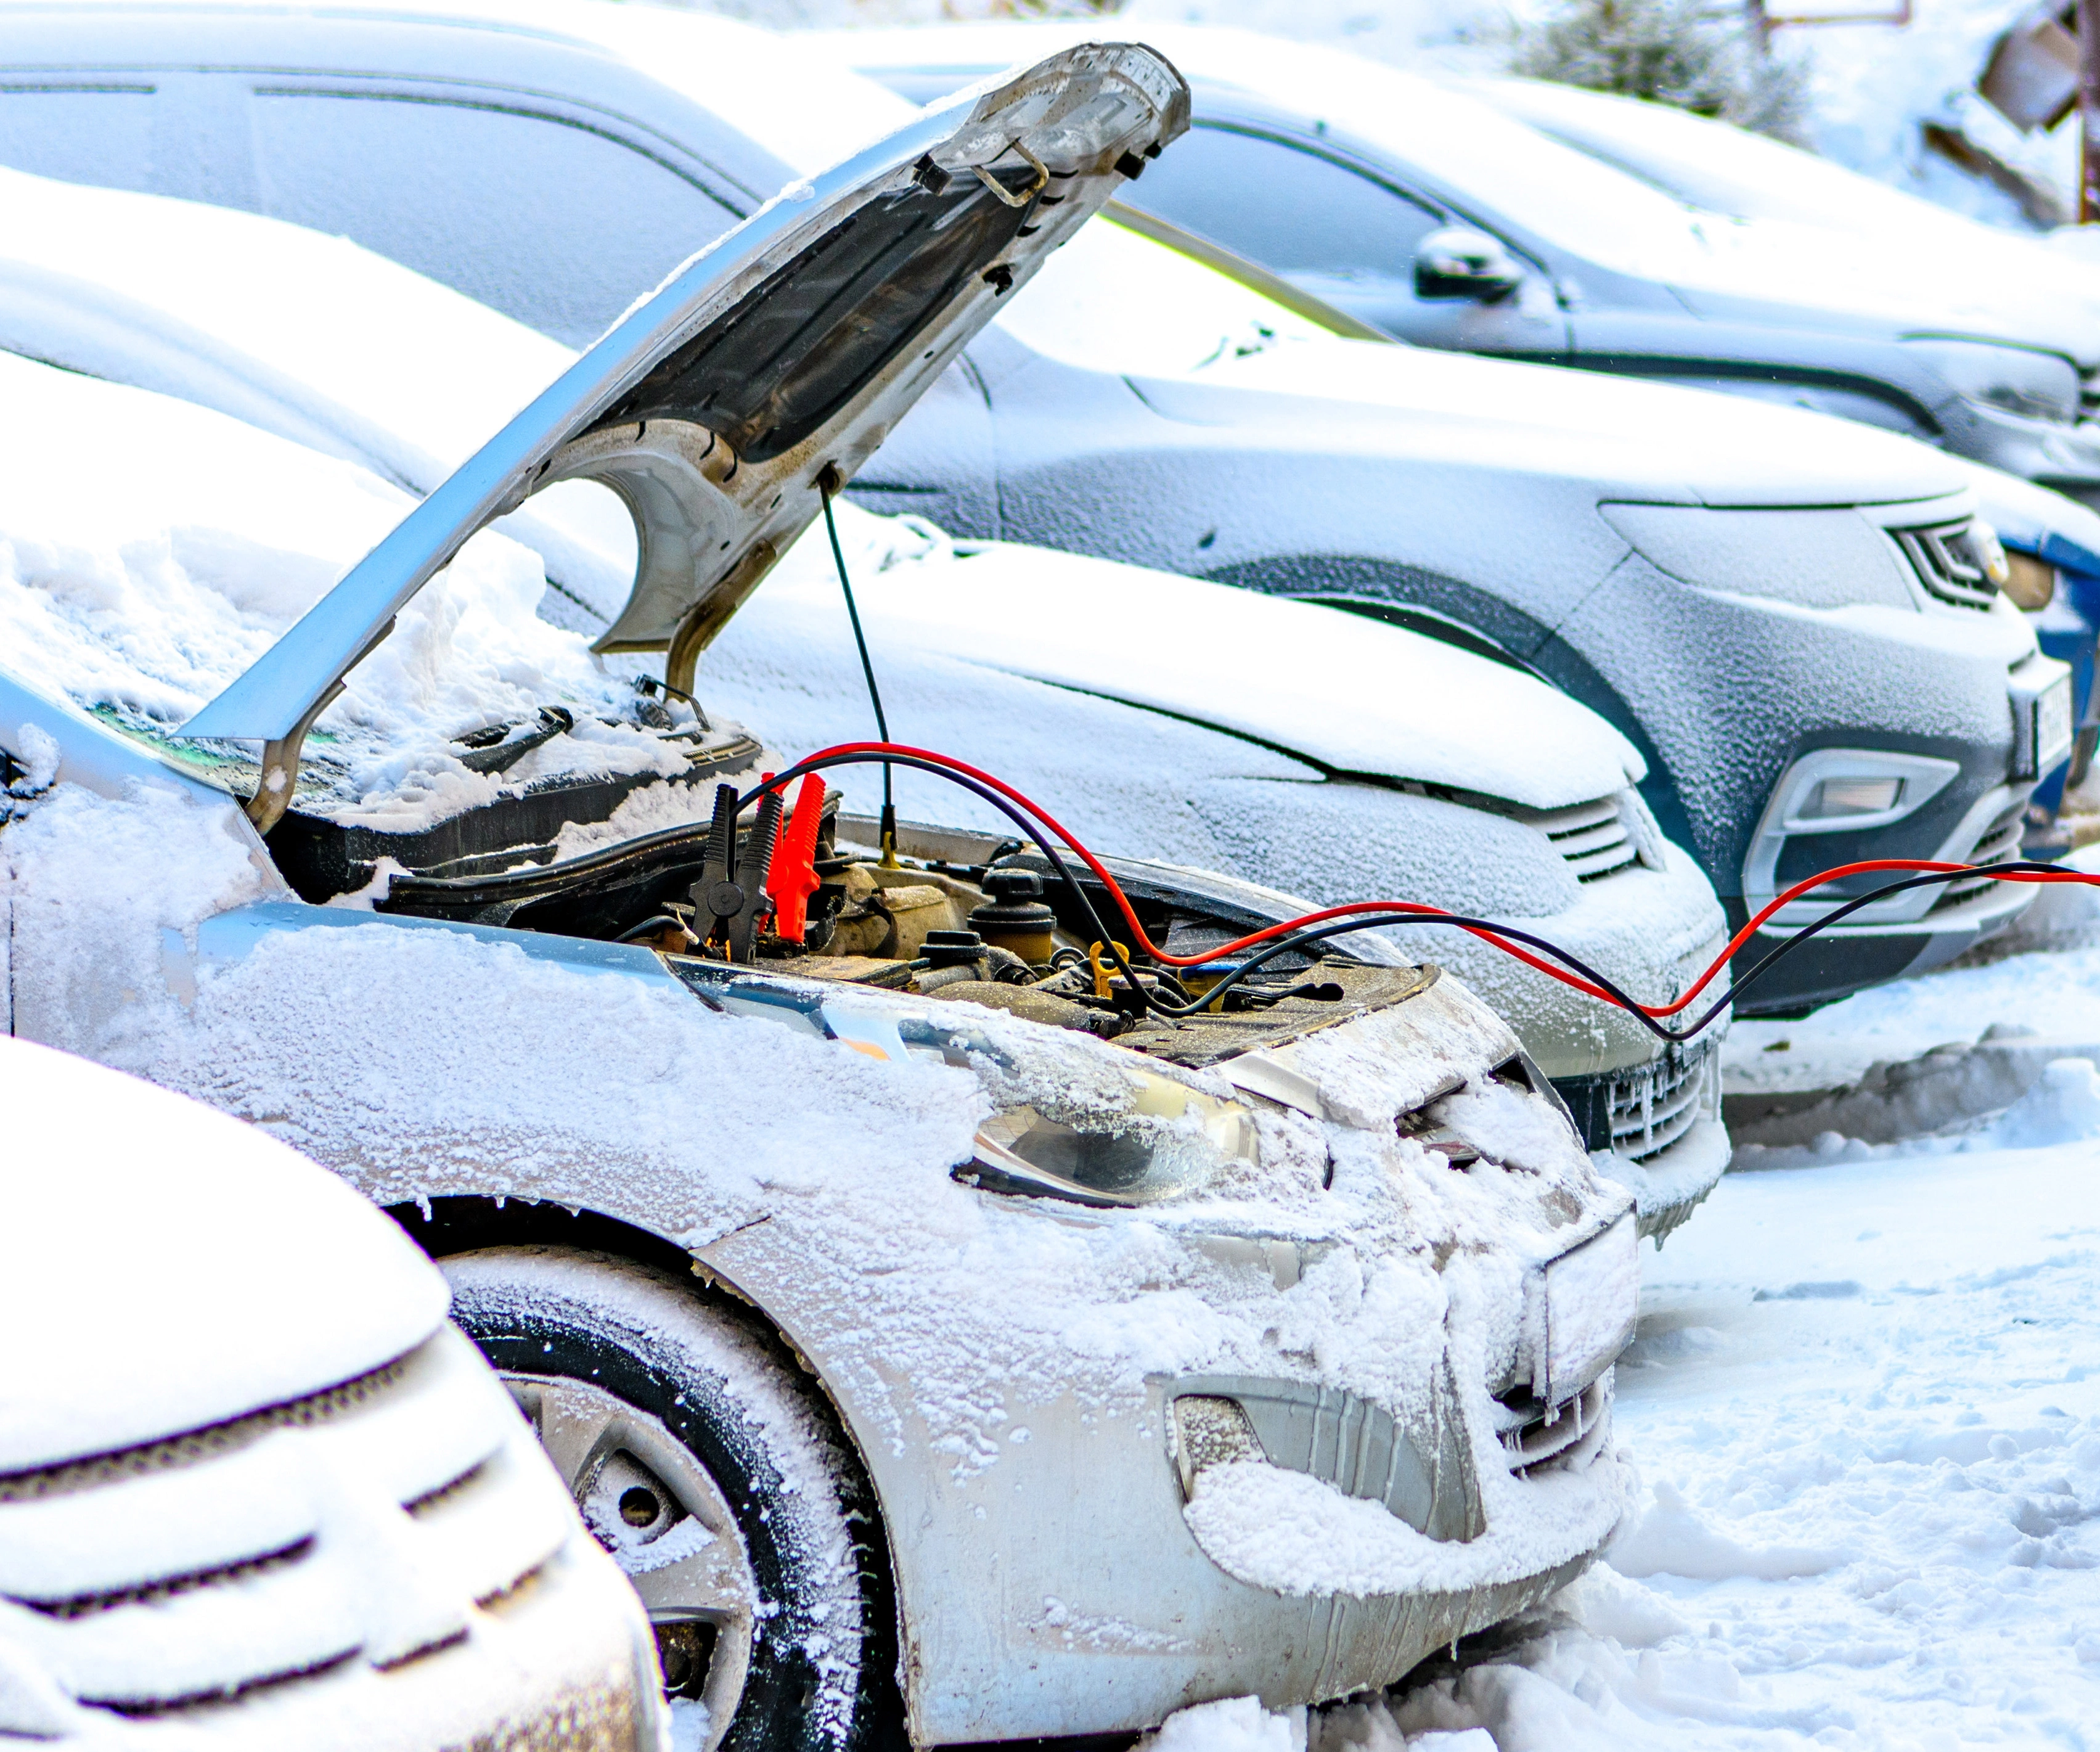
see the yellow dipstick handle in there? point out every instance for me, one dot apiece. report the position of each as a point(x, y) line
point(1101, 969)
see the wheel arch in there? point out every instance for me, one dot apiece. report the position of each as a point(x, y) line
point(463, 1223)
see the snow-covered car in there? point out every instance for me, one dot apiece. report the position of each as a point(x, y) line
point(1614, 535)
point(255, 1491)
point(896, 1329)
point(1227, 760)
point(1705, 162)
point(1447, 222)
point(1714, 164)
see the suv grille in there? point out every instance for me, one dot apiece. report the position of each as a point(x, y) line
point(1948, 563)
point(361, 1524)
point(1641, 1112)
point(1997, 843)
point(1592, 837)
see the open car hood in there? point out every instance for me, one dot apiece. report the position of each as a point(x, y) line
point(767, 368)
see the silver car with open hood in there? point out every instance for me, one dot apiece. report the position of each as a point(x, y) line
point(933, 1331)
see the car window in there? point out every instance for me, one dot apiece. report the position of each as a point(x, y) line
point(545, 219)
point(1286, 207)
point(96, 134)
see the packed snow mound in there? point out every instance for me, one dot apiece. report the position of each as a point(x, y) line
point(1672, 1539)
point(2064, 1107)
point(1231, 1725)
point(142, 586)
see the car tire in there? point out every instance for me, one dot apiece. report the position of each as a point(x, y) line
point(714, 1469)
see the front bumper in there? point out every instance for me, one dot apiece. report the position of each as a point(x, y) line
point(1655, 1129)
point(387, 1565)
point(1908, 935)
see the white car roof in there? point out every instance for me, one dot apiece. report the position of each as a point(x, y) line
point(1563, 195)
point(1731, 170)
point(164, 1268)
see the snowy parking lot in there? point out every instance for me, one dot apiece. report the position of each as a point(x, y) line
point(1561, 632)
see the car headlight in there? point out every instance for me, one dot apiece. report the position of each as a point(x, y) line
point(2038, 386)
point(2029, 583)
point(1172, 1140)
point(1150, 1139)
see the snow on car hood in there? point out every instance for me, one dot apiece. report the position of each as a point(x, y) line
point(770, 365)
point(1346, 695)
point(164, 1268)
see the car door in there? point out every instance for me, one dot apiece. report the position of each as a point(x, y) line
point(543, 195)
point(1310, 209)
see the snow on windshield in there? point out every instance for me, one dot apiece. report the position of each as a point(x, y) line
point(141, 585)
point(1110, 300)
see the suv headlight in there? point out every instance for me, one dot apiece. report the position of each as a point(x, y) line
point(2038, 386)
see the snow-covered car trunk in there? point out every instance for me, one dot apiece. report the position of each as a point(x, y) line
point(254, 1491)
point(781, 1249)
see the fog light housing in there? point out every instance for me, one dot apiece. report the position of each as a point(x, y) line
point(1835, 798)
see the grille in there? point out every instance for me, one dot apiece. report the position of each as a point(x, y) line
point(195, 1445)
point(1592, 837)
point(1997, 843)
point(1564, 1437)
point(361, 1524)
point(1949, 562)
point(1640, 1112)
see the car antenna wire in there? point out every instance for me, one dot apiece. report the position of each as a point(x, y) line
point(829, 481)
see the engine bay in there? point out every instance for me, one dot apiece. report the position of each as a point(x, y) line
point(944, 913)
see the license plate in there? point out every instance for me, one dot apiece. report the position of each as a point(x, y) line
point(1584, 1309)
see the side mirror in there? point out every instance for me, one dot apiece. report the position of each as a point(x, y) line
point(1459, 263)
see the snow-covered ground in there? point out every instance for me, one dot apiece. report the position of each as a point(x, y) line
point(1865, 1403)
